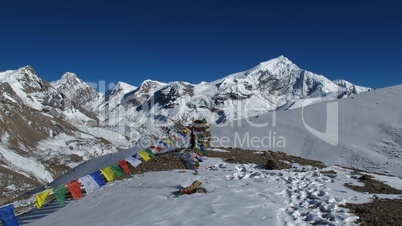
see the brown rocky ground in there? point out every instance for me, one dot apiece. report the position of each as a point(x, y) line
point(373, 186)
point(381, 212)
point(7, 179)
point(269, 159)
point(161, 163)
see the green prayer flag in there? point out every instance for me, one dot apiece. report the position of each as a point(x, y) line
point(60, 194)
point(117, 170)
point(150, 153)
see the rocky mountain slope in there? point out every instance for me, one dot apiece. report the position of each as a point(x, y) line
point(40, 139)
point(48, 128)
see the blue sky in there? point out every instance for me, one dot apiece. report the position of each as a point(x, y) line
point(202, 40)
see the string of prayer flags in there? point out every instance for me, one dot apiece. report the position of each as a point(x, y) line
point(99, 178)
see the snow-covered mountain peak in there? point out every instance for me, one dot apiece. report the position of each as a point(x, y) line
point(68, 79)
point(278, 67)
point(143, 92)
point(28, 69)
point(75, 89)
point(69, 76)
point(21, 75)
point(171, 92)
point(149, 86)
point(150, 82)
point(118, 91)
point(29, 87)
point(276, 61)
point(124, 87)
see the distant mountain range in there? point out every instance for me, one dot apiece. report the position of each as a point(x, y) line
point(48, 128)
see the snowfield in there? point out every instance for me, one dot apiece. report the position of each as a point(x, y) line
point(367, 131)
point(236, 195)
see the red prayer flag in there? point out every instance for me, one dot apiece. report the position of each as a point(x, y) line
point(158, 149)
point(75, 189)
point(123, 165)
point(197, 153)
point(176, 138)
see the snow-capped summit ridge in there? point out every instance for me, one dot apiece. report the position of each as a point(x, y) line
point(26, 73)
point(277, 67)
point(69, 75)
point(267, 86)
point(150, 81)
point(28, 68)
point(118, 91)
point(75, 89)
point(280, 59)
point(11, 76)
point(125, 87)
point(68, 79)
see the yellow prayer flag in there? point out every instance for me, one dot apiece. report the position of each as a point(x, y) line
point(144, 155)
point(168, 140)
point(185, 130)
point(108, 173)
point(41, 198)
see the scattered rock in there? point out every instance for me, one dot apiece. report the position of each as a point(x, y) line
point(373, 186)
point(380, 212)
point(276, 159)
point(329, 172)
point(272, 165)
point(160, 163)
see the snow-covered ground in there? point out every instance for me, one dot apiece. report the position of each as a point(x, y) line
point(363, 131)
point(236, 195)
